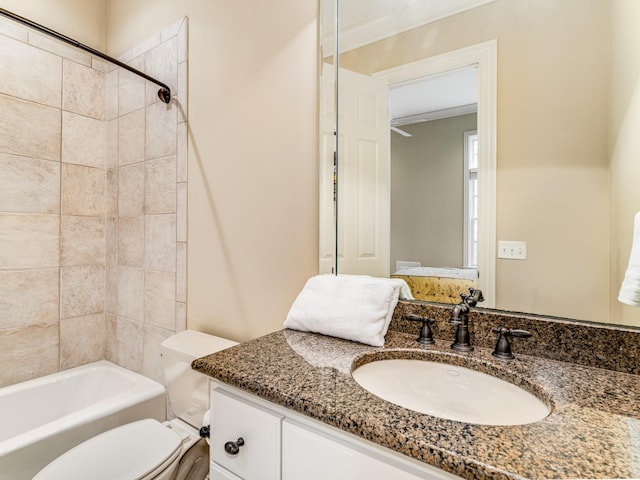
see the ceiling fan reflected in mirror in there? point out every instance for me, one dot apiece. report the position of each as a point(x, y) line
point(400, 132)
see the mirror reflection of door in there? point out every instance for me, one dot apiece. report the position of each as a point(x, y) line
point(433, 173)
point(479, 62)
point(363, 175)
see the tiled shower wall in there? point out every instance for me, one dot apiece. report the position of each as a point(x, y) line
point(92, 205)
point(146, 206)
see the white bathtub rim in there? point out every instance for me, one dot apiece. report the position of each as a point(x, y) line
point(145, 389)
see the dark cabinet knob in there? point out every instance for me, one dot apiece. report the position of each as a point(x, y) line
point(232, 448)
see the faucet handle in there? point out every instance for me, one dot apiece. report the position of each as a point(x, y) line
point(503, 345)
point(475, 296)
point(426, 336)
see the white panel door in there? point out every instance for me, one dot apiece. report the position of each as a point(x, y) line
point(363, 175)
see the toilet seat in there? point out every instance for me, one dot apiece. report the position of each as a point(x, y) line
point(140, 450)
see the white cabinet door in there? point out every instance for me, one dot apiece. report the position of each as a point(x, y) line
point(312, 455)
point(232, 418)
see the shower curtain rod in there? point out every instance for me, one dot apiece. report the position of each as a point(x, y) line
point(164, 93)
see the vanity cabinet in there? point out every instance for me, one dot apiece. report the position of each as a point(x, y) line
point(258, 453)
point(279, 444)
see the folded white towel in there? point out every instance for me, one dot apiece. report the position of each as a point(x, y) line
point(352, 307)
point(630, 289)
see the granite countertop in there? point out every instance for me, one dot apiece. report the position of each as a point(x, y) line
point(593, 430)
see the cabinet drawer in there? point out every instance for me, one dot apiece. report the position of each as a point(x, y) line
point(232, 418)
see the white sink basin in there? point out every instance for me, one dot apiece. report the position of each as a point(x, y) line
point(451, 392)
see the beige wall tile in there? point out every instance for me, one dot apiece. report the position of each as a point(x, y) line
point(82, 240)
point(171, 30)
point(151, 360)
point(183, 41)
point(160, 299)
point(82, 340)
point(146, 45)
point(83, 190)
point(131, 293)
point(129, 344)
point(112, 85)
point(13, 30)
point(29, 185)
point(131, 241)
point(131, 91)
point(160, 185)
point(28, 240)
point(52, 45)
point(111, 288)
point(181, 272)
point(82, 290)
point(30, 351)
point(160, 243)
point(111, 193)
point(84, 140)
point(181, 316)
point(131, 190)
point(183, 79)
point(83, 90)
point(100, 65)
point(30, 73)
point(182, 153)
point(131, 129)
point(161, 130)
point(28, 297)
point(110, 347)
point(181, 214)
point(112, 143)
point(126, 56)
point(162, 63)
point(29, 129)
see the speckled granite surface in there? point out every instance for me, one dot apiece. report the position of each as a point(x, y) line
point(592, 432)
point(595, 345)
point(437, 289)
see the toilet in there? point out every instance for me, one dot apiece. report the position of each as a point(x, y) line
point(147, 449)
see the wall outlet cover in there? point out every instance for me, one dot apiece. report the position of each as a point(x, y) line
point(512, 250)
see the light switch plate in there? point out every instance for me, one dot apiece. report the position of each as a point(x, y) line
point(512, 250)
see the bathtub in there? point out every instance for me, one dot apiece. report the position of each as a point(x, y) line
point(42, 418)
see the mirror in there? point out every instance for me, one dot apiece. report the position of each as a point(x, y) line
point(567, 107)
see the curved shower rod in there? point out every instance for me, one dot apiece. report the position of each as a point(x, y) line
point(164, 93)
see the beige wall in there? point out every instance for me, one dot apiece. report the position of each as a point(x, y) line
point(82, 20)
point(427, 192)
point(552, 142)
point(625, 147)
point(252, 222)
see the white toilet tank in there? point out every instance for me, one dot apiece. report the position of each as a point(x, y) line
point(188, 390)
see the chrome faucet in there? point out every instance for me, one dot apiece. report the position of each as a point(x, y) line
point(460, 317)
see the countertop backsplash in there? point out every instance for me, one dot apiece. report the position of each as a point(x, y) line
point(590, 344)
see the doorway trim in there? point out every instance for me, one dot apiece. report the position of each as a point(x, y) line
point(483, 56)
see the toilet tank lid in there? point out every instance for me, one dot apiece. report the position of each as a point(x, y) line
point(195, 344)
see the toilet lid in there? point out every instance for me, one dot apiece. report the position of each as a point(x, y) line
point(129, 452)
